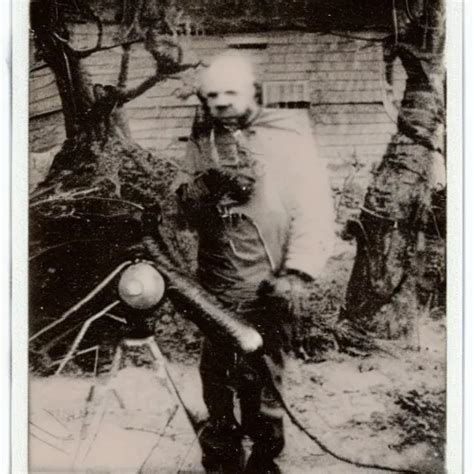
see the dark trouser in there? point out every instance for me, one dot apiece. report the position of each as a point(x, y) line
point(233, 261)
point(253, 379)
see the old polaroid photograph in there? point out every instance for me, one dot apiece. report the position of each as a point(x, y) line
point(237, 236)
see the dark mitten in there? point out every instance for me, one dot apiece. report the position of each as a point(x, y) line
point(199, 198)
point(287, 300)
point(228, 182)
point(190, 202)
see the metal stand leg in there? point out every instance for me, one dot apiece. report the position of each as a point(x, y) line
point(93, 418)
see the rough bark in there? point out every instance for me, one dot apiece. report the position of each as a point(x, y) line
point(399, 266)
point(99, 155)
point(87, 216)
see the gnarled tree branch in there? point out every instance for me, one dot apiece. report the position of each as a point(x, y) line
point(166, 65)
point(124, 67)
point(84, 53)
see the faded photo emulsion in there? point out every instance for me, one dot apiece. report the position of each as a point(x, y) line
point(237, 236)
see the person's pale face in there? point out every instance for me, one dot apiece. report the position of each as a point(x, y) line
point(229, 96)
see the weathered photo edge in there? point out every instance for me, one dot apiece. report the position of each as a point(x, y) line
point(19, 240)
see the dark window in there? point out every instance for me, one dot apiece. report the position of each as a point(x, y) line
point(247, 42)
point(286, 94)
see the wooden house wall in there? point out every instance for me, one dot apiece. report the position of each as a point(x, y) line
point(347, 96)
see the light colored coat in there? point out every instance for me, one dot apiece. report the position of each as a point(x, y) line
point(291, 204)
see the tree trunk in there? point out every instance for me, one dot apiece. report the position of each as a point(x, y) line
point(399, 265)
point(99, 156)
point(103, 191)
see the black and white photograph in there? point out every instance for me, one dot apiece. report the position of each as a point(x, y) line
point(238, 237)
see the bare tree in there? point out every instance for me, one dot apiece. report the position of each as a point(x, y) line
point(95, 121)
point(399, 268)
point(102, 188)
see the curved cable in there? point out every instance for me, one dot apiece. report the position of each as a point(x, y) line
point(316, 440)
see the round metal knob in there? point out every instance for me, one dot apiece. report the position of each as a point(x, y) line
point(141, 286)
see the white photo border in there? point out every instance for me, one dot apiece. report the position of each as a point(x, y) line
point(19, 321)
point(5, 238)
point(455, 256)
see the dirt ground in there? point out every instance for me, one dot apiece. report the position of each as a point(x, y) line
point(355, 407)
point(387, 408)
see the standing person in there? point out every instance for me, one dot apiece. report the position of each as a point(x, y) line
point(261, 204)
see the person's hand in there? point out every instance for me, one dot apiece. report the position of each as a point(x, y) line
point(222, 182)
point(291, 286)
point(286, 297)
point(209, 187)
point(189, 202)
